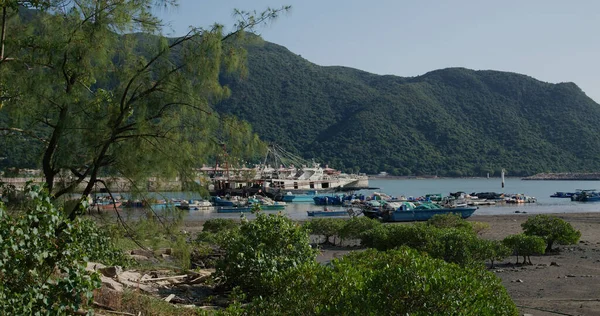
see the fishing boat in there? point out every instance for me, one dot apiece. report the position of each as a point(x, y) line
point(233, 201)
point(328, 200)
point(241, 209)
point(105, 203)
point(194, 205)
point(233, 209)
point(266, 204)
point(423, 212)
point(299, 197)
point(589, 195)
point(279, 173)
point(562, 195)
point(327, 212)
point(519, 199)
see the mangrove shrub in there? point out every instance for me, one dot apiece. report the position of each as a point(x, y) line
point(395, 282)
point(552, 229)
point(261, 250)
point(526, 246)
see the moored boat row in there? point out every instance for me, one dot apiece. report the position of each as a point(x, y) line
point(580, 195)
point(220, 204)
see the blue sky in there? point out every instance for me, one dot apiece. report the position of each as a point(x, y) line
point(552, 41)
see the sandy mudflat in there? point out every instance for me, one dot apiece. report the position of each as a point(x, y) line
point(571, 287)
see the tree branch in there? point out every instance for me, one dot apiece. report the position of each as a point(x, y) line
point(177, 42)
point(27, 133)
point(269, 14)
point(125, 226)
point(131, 126)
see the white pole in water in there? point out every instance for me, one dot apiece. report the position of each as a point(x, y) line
point(502, 175)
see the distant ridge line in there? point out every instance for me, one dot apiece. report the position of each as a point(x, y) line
point(565, 176)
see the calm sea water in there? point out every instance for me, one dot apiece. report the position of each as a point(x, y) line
point(419, 187)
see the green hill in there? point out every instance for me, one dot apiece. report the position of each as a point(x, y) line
point(449, 122)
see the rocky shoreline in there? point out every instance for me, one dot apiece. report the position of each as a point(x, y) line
point(595, 176)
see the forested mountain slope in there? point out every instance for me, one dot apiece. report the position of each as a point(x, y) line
point(449, 122)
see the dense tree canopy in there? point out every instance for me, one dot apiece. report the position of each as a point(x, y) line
point(101, 91)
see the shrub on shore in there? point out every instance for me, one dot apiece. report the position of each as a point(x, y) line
point(394, 282)
point(552, 229)
point(260, 251)
point(525, 246)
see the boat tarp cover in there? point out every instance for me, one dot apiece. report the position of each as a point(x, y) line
point(428, 206)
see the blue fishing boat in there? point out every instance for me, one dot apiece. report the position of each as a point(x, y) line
point(328, 200)
point(233, 209)
point(327, 212)
point(295, 198)
point(266, 204)
point(590, 195)
point(405, 213)
point(562, 195)
point(245, 209)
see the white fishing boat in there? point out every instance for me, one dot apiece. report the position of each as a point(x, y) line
point(284, 172)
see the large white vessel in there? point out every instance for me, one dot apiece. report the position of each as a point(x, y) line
point(284, 172)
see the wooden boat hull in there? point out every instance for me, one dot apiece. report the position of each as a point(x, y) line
point(418, 214)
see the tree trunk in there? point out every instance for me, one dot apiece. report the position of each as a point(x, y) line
point(549, 246)
point(49, 172)
point(3, 34)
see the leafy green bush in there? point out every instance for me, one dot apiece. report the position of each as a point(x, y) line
point(43, 259)
point(552, 229)
point(479, 227)
point(327, 227)
point(452, 220)
point(214, 230)
point(449, 220)
point(456, 245)
point(261, 250)
point(492, 250)
point(384, 237)
point(395, 282)
point(526, 246)
point(215, 225)
point(353, 228)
